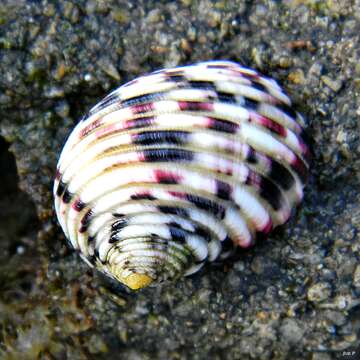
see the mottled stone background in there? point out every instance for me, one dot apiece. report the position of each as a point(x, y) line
point(294, 296)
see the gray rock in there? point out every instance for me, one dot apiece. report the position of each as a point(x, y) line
point(291, 331)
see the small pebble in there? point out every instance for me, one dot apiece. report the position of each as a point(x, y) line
point(54, 92)
point(297, 77)
point(319, 292)
point(334, 85)
point(315, 69)
point(62, 109)
point(109, 69)
point(356, 277)
point(20, 250)
point(285, 62)
point(87, 77)
point(291, 331)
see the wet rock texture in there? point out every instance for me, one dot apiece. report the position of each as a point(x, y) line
point(295, 295)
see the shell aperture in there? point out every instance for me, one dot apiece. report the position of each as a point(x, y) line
point(178, 168)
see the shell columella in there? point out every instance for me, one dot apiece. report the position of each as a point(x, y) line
point(178, 168)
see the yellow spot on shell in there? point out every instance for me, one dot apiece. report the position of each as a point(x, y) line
point(134, 281)
point(137, 281)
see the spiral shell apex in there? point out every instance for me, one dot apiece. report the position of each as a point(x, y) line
point(177, 168)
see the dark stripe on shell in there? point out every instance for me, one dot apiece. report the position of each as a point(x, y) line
point(67, 196)
point(61, 188)
point(142, 122)
point(177, 234)
point(251, 156)
point(119, 224)
point(160, 137)
point(165, 177)
point(203, 232)
point(281, 175)
point(227, 244)
point(259, 86)
point(86, 218)
point(117, 215)
point(250, 104)
point(223, 126)
point(107, 101)
point(83, 228)
point(217, 66)
point(202, 84)
point(271, 193)
point(141, 99)
point(113, 238)
point(173, 210)
point(142, 108)
point(208, 205)
point(226, 97)
point(287, 110)
point(78, 205)
point(176, 77)
point(300, 168)
point(195, 106)
point(223, 190)
point(167, 155)
point(142, 197)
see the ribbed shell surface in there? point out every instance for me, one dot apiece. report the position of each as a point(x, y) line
point(177, 168)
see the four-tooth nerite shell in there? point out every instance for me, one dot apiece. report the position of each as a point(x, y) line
point(178, 168)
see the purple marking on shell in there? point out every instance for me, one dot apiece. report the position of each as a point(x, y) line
point(170, 169)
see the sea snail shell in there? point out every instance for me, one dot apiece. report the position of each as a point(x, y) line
point(177, 168)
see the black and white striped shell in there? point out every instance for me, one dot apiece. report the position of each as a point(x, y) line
point(177, 168)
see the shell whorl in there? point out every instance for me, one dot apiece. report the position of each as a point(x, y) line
point(177, 168)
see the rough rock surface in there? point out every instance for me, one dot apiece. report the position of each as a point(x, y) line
point(296, 295)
